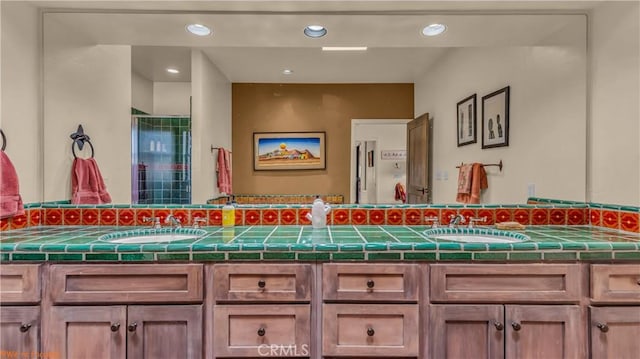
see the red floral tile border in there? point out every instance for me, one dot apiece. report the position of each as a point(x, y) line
point(601, 217)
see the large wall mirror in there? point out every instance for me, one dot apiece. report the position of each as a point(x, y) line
point(100, 64)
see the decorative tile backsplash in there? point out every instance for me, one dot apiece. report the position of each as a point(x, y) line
point(536, 212)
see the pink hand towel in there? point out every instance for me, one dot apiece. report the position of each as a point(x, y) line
point(87, 184)
point(224, 171)
point(10, 200)
point(471, 183)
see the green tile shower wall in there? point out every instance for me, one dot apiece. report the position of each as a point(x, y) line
point(621, 218)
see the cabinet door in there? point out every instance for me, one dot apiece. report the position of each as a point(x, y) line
point(615, 332)
point(535, 331)
point(467, 331)
point(164, 331)
point(20, 329)
point(86, 332)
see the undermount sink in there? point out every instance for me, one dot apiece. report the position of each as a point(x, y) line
point(476, 235)
point(151, 235)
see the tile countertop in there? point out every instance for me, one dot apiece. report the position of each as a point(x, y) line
point(302, 243)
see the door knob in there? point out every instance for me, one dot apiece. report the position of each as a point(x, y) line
point(132, 327)
point(25, 327)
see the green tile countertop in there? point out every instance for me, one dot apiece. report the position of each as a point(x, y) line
point(302, 243)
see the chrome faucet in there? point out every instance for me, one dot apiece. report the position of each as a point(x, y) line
point(456, 219)
point(198, 220)
point(175, 222)
point(154, 220)
point(433, 220)
point(472, 221)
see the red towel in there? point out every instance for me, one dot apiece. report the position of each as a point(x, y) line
point(470, 187)
point(224, 171)
point(10, 200)
point(401, 195)
point(87, 184)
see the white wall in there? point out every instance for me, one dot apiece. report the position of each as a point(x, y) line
point(388, 136)
point(210, 123)
point(90, 85)
point(171, 98)
point(547, 134)
point(20, 103)
point(141, 93)
point(614, 148)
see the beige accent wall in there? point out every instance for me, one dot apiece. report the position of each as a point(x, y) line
point(307, 107)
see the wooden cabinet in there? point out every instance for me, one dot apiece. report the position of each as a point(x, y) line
point(252, 330)
point(19, 284)
point(380, 330)
point(615, 332)
point(615, 283)
point(260, 310)
point(510, 331)
point(158, 331)
point(500, 283)
point(20, 329)
point(370, 310)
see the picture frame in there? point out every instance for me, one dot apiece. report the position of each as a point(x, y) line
point(284, 151)
point(495, 119)
point(466, 121)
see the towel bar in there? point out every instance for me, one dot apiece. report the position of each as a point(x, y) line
point(499, 165)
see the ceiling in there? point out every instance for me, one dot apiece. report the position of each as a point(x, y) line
point(254, 41)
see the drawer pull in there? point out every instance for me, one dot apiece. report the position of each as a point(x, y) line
point(638, 281)
point(115, 327)
point(498, 325)
point(25, 327)
point(261, 332)
point(132, 327)
point(370, 332)
point(370, 283)
point(603, 327)
point(516, 326)
point(261, 283)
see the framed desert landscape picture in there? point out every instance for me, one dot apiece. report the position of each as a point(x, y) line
point(289, 151)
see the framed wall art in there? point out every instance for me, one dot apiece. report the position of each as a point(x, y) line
point(495, 119)
point(466, 122)
point(289, 151)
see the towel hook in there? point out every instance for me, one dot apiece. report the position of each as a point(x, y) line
point(4, 140)
point(80, 139)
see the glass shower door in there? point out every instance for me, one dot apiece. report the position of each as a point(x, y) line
point(161, 159)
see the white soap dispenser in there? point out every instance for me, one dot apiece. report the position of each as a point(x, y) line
point(318, 215)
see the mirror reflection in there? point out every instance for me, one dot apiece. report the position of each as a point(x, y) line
point(100, 66)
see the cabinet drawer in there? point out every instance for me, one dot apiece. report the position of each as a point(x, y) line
point(126, 283)
point(262, 330)
point(370, 282)
point(384, 330)
point(615, 283)
point(264, 283)
point(519, 283)
point(19, 283)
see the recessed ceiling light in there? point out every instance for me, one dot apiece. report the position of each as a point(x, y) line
point(198, 29)
point(434, 29)
point(344, 48)
point(315, 31)
point(287, 72)
point(171, 70)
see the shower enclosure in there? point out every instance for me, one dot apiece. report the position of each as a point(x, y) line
point(161, 159)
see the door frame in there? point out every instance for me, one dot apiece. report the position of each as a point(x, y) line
point(360, 122)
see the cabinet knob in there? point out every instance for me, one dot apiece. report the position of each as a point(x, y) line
point(371, 283)
point(132, 327)
point(25, 327)
point(638, 281)
point(603, 327)
point(261, 332)
point(370, 332)
point(115, 327)
point(261, 283)
point(498, 325)
point(516, 326)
